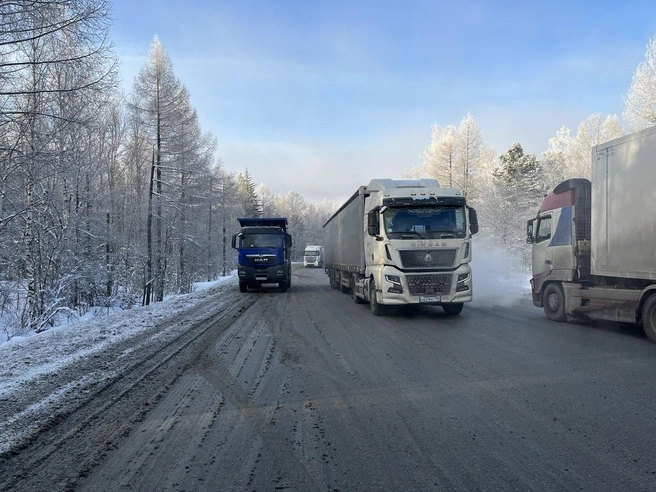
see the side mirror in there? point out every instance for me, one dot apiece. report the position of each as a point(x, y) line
point(473, 220)
point(529, 232)
point(234, 241)
point(289, 240)
point(372, 223)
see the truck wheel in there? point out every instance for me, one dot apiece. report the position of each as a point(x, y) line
point(553, 301)
point(376, 309)
point(453, 308)
point(242, 286)
point(283, 286)
point(649, 318)
point(333, 279)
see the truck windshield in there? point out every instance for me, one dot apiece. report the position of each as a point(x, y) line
point(311, 253)
point(261, 241)
point(424, 222)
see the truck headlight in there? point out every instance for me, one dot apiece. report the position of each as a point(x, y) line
point(396, 287)
point(461, 286)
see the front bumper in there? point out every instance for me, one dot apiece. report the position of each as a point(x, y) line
point(437, 287)
point(272, 274)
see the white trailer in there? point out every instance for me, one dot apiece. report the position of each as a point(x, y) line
point(593, 241)
point(399, 242)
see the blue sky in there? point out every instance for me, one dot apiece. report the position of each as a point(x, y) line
point(322, 96)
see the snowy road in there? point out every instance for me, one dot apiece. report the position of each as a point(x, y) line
point(308, 391)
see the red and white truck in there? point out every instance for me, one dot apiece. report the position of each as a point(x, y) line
point(594, 242)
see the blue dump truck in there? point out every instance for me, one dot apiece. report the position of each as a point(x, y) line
point(264, 253)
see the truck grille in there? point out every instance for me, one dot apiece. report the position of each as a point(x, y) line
point(261, 260)
point(429, 258)
point(420, 285)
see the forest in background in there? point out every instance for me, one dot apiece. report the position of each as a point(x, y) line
point(116, 200)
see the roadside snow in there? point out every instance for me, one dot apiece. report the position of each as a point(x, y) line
point(30, 362)
point(26, 358)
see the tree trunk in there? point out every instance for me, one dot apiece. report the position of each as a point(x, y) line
point(159, 282)
point(149, 233)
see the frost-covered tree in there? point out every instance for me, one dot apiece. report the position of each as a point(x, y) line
point(640, 101)
point(594, 130)
point(316, 215)
point(440, 159)
point(293, 206)
point(248, 195)
point(160, 101)
point(471, 149)
point(56, 72)
point(266, 201)
point(571, 156)
point(453, 155)
point(520, 183)
point(220, 223)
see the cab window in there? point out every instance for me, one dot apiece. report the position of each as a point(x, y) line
point(544, 229)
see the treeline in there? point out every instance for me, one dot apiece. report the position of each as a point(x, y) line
point(508, 189)
point(105, 199)
point(110, 199)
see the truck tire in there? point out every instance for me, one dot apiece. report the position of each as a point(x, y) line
point(242, 286)
point(333, 279)
point(649, 318)
point(553, 301)
point(453, 308)
point(376, 309)
point(284, 285)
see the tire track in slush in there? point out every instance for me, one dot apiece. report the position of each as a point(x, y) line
point(246, 367)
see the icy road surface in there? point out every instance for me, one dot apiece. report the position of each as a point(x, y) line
point(308, 391)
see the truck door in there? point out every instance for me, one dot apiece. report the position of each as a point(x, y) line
point(542, 253)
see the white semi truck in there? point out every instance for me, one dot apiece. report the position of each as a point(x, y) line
point(399, 242)
point(313, 256)
point(594, 242)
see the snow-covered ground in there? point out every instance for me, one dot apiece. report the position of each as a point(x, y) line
point(24, 358)
point(28, 359)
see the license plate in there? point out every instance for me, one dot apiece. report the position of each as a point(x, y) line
point(430, 299)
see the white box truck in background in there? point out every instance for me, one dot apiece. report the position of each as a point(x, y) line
point(399, 242)
point(594, 242)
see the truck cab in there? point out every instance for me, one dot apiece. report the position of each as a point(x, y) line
point(313, 256)
point(402, 242)
point(560, 239)
point(263, 246)
point(417, 246)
